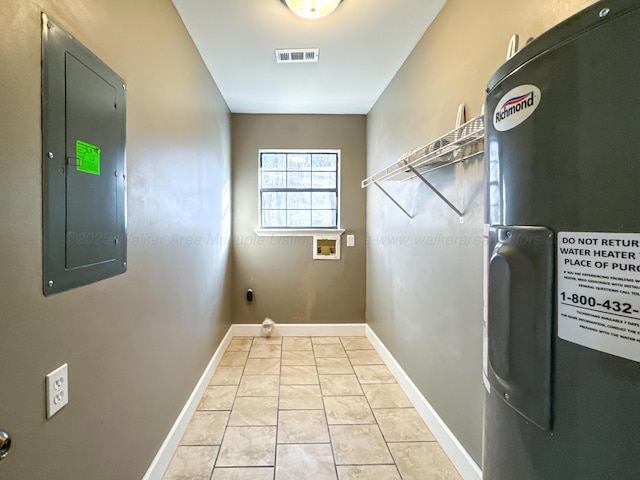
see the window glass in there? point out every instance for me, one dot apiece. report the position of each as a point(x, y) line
point(299, 189)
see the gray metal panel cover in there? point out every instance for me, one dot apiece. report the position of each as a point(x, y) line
point(83, 115)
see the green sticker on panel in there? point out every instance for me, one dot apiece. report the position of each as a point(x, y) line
point(88, 157)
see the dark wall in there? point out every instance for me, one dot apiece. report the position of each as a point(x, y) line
point(136, 344)
point(424, 276)
point(289, 286)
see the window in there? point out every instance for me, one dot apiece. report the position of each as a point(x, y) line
point(299, 189)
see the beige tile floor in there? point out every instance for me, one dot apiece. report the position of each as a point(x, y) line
point(306, 408)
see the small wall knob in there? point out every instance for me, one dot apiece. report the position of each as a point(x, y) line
point(5, 444)
point(249, 296)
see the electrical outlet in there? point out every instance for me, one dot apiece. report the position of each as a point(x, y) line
point(57, 389)
point(351, 240)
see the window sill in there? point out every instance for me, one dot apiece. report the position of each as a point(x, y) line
point(297, 232)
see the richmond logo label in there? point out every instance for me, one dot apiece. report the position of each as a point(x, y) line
point(516, 106)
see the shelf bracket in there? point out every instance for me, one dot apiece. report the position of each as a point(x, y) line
point(437, 192)
point(466, 141)
point(393, 200)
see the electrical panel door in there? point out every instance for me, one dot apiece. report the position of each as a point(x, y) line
point(83, 111)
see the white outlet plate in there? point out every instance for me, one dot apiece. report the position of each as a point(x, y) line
point(57, 389)
point(351, 240)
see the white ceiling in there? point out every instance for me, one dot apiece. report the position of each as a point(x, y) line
point(362, 45)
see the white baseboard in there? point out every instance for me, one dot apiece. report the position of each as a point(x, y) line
point(163, 457)
point(303, 330)
point(458, 455)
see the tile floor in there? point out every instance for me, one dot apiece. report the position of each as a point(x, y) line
point(306, 408)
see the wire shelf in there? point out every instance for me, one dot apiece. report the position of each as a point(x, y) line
point(462, 143)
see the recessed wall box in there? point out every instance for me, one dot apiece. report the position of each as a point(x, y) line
point(326, 247)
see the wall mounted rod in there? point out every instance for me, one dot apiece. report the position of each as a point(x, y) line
point(393, 200)
point(436, 191)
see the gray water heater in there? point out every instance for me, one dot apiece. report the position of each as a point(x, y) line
point(562, 344)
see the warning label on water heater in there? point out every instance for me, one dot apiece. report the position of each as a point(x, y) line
point(599, 291)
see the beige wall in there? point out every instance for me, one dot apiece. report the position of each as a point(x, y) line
point(289, 286)
point(424, 297)
point(136, 344)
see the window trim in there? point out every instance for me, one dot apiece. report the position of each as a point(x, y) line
point(300, 231)
point(297, 232)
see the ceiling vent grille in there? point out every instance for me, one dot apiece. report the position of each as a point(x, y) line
point(297, 55)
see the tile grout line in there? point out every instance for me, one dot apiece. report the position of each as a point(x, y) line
point(275, 452)
point(386, 444)
point(275, 447)
point(232, 404)
point(326, 417)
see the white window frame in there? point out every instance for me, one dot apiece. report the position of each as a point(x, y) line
point(300, 231)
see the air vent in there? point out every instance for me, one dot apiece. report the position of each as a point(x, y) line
point(297, 55)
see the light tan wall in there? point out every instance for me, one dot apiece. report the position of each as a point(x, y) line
point(289, 286)
point(136, 344)
point(424, 296)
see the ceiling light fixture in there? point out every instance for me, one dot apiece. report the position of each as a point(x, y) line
point(312, 9)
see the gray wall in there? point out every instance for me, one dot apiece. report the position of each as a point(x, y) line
point(424, 277)
point(136, 344)
point(289, 286)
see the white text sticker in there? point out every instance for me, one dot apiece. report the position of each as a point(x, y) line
point(599, 291)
